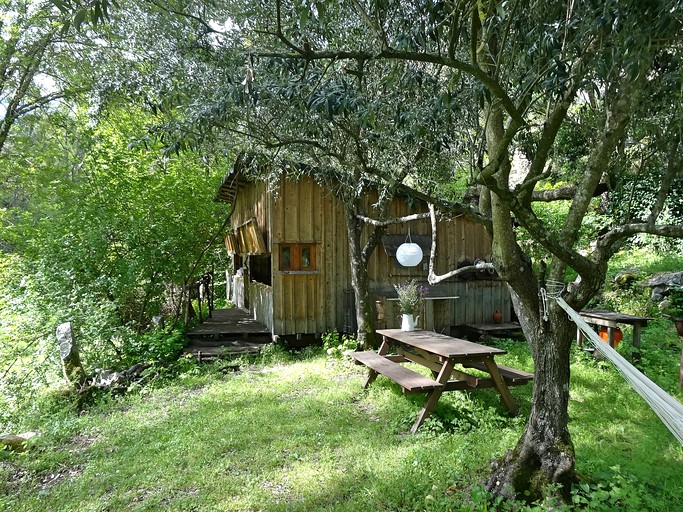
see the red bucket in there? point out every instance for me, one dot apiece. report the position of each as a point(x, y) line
point(618, 335)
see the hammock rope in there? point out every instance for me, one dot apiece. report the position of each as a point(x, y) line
point(669, 410)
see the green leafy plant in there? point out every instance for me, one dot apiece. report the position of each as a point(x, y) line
point(410, 296)
point(338, 345)
point(675, 300)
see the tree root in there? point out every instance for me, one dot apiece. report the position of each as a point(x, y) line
point(533, 473)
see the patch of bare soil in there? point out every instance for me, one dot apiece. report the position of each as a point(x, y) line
point(12, 477)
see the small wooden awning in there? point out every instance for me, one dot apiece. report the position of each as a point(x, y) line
point(233, 180)
point(250, 239)
point(231, 244)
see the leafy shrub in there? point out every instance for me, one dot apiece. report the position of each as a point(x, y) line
point(274, 353)
point(620, 493)
point(154, 346)
point(338, 345)
point(675, 301)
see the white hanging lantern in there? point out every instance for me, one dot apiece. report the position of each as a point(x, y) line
point(409, 254)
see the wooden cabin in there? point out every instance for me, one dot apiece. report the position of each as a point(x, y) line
point(289, 246)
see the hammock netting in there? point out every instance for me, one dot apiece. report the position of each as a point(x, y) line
point(669, 410)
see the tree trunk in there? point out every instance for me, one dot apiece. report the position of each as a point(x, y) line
point(360, 280)
point(545, 453)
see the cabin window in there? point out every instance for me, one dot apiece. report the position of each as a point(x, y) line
point(296, 257)
point(286, 257)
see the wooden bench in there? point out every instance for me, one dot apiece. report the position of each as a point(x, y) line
point(410, 381)
point(512, 376)
point(476, 331)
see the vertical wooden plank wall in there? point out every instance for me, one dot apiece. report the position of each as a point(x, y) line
point(309, 303)
point(458, 239)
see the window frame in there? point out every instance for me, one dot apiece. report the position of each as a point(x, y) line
point(296, 251)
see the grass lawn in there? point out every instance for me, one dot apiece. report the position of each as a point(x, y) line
point(300, 433)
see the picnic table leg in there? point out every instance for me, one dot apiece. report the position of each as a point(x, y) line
point(434, 395)
point(383, 350)
point(610, 337)
point(635, 354)
point(372, 375)
point(501, 386)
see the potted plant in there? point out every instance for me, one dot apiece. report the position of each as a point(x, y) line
point(410, 297)
point(674, 309)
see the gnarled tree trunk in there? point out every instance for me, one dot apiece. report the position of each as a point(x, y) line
point(545, 452)
point(360, 281)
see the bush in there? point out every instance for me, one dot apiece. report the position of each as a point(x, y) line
point(337, 346)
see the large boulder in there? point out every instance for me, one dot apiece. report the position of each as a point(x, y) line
point(666, 279)
point(74, 373)
point(661, 283)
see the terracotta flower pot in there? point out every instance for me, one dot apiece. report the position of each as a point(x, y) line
point(497, 317)
point(679, 325)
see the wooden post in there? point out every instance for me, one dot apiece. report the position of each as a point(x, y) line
point(198, 287)
point(71, 361)
point(228, 278)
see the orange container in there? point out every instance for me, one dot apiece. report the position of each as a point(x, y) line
point(618, 335)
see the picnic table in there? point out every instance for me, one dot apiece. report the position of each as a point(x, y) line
point(439, 353)
point(611, 319)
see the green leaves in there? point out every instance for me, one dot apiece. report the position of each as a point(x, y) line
point(82, 12)
point(108, 236)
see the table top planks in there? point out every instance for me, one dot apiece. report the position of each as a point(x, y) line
point(440, 344)
point(614, 316)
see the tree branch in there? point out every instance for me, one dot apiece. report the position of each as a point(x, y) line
point(433, 278)
point(395, 220)
point(617, 120)
point(550, 129)
point(199, 20)
point(374, 27)
point(610, 239)
point(391, 54)
point(566, 193)
point(665, 186)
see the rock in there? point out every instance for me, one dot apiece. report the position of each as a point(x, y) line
point(665, 279)
point(658, 293)
point(107, 379)
point(16, 442)
point(626, 277)
point(664, 305)
point(68, 351)
point(158, 322)
point(117, 381)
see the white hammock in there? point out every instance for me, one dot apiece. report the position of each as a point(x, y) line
point(666, 407)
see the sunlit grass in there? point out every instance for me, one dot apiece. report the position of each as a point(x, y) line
point(304, 435)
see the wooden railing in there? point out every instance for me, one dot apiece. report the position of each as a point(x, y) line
point(202, 291)
point(261, 303)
